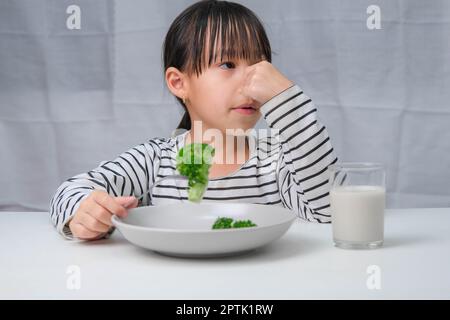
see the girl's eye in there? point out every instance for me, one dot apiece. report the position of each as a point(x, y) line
point(228, 64)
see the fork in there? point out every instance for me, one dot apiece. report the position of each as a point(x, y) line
point(173, 176)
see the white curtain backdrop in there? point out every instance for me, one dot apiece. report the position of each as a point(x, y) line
point(70, 99)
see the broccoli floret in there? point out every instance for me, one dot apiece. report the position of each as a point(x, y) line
point(193, 162)
point(223, 223)
point(243, 224)
point(227, 223)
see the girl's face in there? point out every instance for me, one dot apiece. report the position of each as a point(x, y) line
point(214, 97)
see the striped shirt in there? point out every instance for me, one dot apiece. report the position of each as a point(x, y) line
point(288, 168)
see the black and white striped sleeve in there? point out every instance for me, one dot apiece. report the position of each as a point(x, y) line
point(130, 174)
point(306, 152)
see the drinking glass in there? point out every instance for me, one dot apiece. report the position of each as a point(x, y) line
point(357, 199)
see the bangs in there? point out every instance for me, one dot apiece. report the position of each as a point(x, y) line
point(225, 31)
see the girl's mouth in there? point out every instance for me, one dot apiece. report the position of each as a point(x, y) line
point(245, 109)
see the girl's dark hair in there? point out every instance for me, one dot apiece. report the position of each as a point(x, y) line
point(228, 25)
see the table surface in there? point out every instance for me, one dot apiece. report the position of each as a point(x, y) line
point(414, 263)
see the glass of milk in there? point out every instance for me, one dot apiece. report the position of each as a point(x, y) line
point(357, 198)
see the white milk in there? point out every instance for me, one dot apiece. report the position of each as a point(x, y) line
point(357, 213)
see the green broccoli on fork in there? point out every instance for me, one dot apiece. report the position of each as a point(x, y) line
point(193, 162)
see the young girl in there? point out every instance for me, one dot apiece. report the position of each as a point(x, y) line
point(217, 63)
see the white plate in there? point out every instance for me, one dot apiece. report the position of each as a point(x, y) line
point(184, 229)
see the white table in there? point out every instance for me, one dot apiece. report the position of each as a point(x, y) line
point(303, 264)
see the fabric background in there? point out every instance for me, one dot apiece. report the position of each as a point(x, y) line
point(70, 99)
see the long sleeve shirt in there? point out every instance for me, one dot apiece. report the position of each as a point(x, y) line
point(286, 168)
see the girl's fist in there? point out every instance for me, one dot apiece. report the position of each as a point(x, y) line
point(262, 81)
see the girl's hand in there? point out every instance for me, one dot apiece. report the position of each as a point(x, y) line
point(92, 220)
point(262, 81)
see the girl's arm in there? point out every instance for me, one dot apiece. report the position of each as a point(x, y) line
point(127, 175)
point(306, 153)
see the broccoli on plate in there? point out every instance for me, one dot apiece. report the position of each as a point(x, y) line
point(227, 223)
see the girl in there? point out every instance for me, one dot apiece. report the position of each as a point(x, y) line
point(217, 64)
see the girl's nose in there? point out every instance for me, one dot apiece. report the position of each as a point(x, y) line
point(241, 79)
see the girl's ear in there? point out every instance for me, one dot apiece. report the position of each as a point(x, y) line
point(177, 82)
